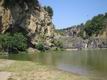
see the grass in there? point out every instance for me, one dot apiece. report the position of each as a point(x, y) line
point(27, 70)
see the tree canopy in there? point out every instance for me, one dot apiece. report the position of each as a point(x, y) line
point(96, 25)
point(11, 3)
point(11, 43)
point(49, 10)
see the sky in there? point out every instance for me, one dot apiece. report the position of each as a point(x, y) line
point(73, 12)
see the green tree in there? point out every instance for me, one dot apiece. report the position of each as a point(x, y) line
point(95, 25)
point(13, 43)
point(57, 43)
point(49, 10)
point(40, 46)
point(11, 3)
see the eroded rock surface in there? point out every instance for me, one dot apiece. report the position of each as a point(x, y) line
point(26, 16)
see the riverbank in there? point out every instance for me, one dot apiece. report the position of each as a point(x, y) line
point(85, 49)
point(27, 70)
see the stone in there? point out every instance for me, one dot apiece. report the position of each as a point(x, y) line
point(32, 18)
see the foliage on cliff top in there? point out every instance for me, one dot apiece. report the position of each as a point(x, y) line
point(10, 3)
point(96, 25)
point(49, 10)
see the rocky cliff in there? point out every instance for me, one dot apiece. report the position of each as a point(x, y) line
point(71, 38)
point(26, 16)
point(72, 31)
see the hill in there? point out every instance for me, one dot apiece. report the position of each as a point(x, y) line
point(92, 34)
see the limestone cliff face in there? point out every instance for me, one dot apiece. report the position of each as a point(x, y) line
point(29, 16)
point(71, 31)
point(104, 34)
point(71, 38)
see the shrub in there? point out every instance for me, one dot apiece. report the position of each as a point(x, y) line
point(40, 46)
point(13, 43)
point(49, 10)
point(11, 3)
point(57, 43)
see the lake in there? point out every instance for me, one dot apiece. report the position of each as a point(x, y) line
point(90, 63)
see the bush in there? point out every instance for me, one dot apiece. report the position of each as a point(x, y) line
point(58, 44)
point(96, 25)
point(49, 10)
point(8, 3)
point(12, 3)
point(13, 43)
point(40, 46)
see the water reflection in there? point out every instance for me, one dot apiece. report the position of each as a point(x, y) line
point(85, 62)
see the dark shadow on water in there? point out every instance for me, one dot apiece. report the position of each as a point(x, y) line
point(20, 56)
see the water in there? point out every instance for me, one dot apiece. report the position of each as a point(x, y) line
point(90, 63)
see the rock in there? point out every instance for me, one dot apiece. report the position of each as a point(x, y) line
point(32, 50)
point(30, 17)
point(5, 75)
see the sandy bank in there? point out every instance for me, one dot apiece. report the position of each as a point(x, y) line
point(26, 70)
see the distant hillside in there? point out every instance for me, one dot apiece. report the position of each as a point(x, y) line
point(95, 27)
point(71, 31)
point(92, 34)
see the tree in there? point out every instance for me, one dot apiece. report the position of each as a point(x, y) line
point(57, 43)
point(13, 43)
point(95, 26)
point(11, 3)
point(49, 10)
point(40, 46)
